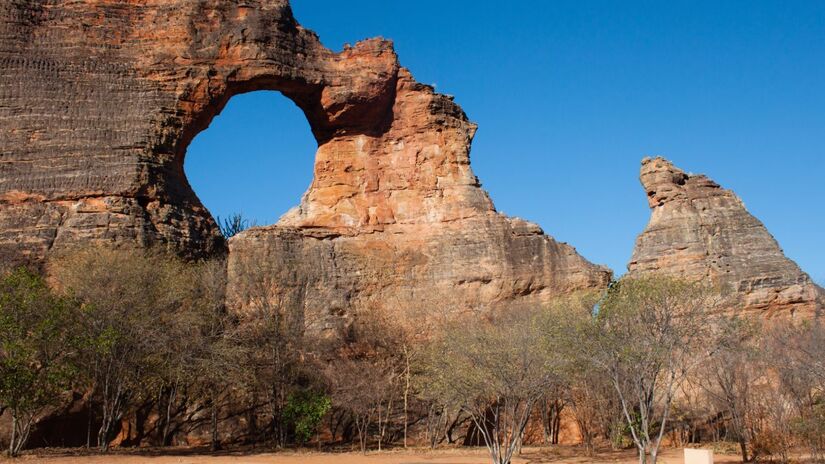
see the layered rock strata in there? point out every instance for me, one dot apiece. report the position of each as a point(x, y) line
point(699, 230)
point(100, 99)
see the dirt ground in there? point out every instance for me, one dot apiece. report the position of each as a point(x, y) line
point(559, 455)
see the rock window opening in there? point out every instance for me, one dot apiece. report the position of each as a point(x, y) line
point(254, 160)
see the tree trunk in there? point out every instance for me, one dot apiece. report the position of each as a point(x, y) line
point(13, 435)
point(112, 412)
point(103, 431)
point(406, 392)
point(362, 424)
point(545, 422)
point(89, 424)
point(380, 429)
point(743, 446)
point(103, 438)
point(556, 426)
point(214, 443)
point(170, 399)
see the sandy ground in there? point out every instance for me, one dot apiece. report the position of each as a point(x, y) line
point(458, 456)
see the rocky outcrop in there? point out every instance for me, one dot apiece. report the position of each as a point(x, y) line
point(101, 98)
point(698, 230)
point(397, 221)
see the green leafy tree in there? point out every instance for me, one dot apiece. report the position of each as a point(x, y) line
point(304, 411)
point(36, 361)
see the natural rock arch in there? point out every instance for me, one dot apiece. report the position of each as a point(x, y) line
point(99, 116)
point(255, 159)
point(102, 98)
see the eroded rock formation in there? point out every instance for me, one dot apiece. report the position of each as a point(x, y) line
point(101, 98)
point(699, 230)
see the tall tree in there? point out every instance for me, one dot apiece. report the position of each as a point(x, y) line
point(649, 335)
point(494, 370)
point(217, 349)
point(730, 374)
point(585, 388)
point(272, 340)
point(36, 356)
point(129, 301)
point(796, 353)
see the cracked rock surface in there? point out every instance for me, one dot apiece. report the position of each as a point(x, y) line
point(699, 230)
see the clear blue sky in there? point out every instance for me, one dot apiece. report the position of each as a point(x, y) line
point(569, 96)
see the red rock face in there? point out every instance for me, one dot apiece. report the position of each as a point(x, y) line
point(699, 230)
point(101, 98)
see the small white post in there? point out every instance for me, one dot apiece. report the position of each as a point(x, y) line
point(698, 456)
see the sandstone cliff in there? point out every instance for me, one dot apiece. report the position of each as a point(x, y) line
point(101, 98)
point(699, 230)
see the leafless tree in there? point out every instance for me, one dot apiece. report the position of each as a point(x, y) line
point(593, 407)
point(796, 353)
point(217, 353)
point(273, 333)
point(550, 409)
point(367, 378)
point(272, 341)
point(368, 390)
point(587, 390)
point(730, 375)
